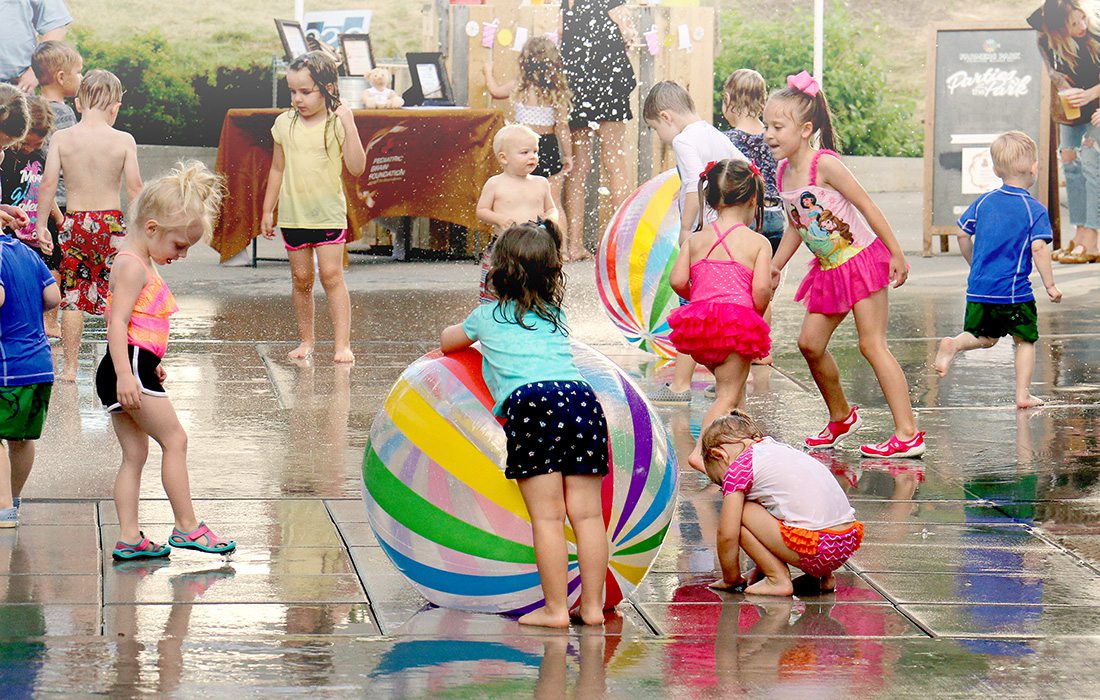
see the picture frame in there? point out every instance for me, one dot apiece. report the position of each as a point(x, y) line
point(293, 38)
point(358, 54)
point(429, 79)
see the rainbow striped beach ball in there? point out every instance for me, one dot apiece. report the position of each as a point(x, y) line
point(438, 502)
point(634, 261)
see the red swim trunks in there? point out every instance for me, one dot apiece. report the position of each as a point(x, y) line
point(821, 552)
point(86, 256)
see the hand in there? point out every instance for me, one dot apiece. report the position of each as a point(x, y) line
point(1054, 293)
point(27, 82)
point(487, 69)
point(267, 225)
point(737, 586)
point(567, 164)
point(128, 392)
point(343, 112)
point(777, 276)
point(162, 375)
point(45, 241)
point(6, 219)
point(17, 217)
point(1078, 97)
point(1095, 119)
point(899, 270)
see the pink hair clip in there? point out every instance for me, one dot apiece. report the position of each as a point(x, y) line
point(804, 83)
point(755, 170)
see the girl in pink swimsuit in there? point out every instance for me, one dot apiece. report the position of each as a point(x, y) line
point(856, 257)
point(724, 271)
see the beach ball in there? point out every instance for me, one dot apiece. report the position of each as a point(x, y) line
point(634, 260)
point(438, 502)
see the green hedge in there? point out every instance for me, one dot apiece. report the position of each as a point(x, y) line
point(871, 117)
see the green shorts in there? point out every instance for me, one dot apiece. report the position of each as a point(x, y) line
point(23, 410)
point(1020, 321)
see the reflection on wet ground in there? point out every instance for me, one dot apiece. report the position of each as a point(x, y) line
point(980, 571)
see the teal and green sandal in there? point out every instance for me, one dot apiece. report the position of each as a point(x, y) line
point(146, 548)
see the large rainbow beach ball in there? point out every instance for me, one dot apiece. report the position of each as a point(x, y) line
point(634, 261)
point(438, 502)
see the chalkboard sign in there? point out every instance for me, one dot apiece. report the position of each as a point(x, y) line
point(982, 82)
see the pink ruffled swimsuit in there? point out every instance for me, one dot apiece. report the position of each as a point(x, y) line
point(850, 262)
point(720, 318)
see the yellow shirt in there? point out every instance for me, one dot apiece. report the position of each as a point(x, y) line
point(312, 194)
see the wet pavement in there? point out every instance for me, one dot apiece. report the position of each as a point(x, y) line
point(980, 572)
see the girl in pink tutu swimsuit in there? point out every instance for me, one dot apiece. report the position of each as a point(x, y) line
point(856, 257)
point(725, 272)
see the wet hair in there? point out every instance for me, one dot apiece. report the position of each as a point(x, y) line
point(322, 70)
point(729, 183)
point(1013, 153)
point(14, 115)
point(745, 92)
point(526, 269)
point(542, 72)
point(1053, 26)
point(667, 96)
point(187, 194)
point(52, 56)
point(507, 134)
point(732, 427)
point(41, 116)
point(840, 226)
point(814, 110)
point(100, 89)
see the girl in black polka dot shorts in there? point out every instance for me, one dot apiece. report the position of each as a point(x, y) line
point(556, 430)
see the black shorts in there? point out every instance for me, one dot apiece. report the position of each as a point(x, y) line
point(298, 238)
point(142, 362)
point(549, 156)
point(998, 320)
point(555, 426)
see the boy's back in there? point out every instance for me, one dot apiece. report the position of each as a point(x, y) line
point(698, 144)
point(1003, 224)
point(93, 158)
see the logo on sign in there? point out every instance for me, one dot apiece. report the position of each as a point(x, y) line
point(991, 82)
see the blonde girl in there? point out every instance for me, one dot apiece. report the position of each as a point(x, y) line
point(170, 215)
point(314, 141)
point(541, 99)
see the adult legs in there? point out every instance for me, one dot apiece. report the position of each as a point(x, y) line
point(575, 192)
point(584, 506)
point(871, 315)
point(544, 496)
point(813, 342)
point(72, 329)
point(330, 260)
point(301, 295)
point(613, 159)
point(557, 187)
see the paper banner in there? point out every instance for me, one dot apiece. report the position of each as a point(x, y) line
point(684, 34)
point(652, 42)
point(520, 40)
point(489, 34)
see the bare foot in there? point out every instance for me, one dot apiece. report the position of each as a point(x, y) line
point(344, 356)
point(301, 352)
point(592, 617)
point(544, 618)
point(945, 356)
point(773, 587)
point(67, 375)
point(1029, 402)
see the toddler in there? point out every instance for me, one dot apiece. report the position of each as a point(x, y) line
point(58, 68)
point(999, 235)
point(781, 506)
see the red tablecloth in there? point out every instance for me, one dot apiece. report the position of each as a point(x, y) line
point(420, 162)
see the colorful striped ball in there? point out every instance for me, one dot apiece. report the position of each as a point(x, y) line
point(438, 502)
point(634, 261)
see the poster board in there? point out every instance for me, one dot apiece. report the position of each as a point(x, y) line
point(982, 81)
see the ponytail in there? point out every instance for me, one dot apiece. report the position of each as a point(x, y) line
point(728, 183)
point(810, 105)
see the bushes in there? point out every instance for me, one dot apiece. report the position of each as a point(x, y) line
point(872, 117)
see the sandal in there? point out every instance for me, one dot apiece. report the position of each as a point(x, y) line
point(1056, 256)
point(189, 540)
point(145, 548)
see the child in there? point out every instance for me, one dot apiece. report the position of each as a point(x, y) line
point(670, 111)
point(313, 143)
point(998, 235)
point(844, 276)
point(170, 215)
point(528, 366)
point(26, 373)
point(721, 327)
point(541, 99)
point(58, 67)
point(95, 159)
point(515, 196)
point(779, 504)
point(20, 179)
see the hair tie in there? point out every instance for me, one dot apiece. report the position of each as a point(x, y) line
point(706, 170)
point(755, 170)
point(804, 83)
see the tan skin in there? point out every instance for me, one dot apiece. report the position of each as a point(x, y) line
point(515, 196)
point(27, 82)
point(307, 99)
point(791, 140)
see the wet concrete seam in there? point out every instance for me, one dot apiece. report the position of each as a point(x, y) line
point(358, 574)
point(1039, 534)
point(894, 603)
point(653, 627)
point(102, 570)
point(279, 398)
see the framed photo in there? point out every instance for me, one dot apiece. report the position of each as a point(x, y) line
point(326, 26)
point(293, 38)
point(358, 56)
point(429, 78)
